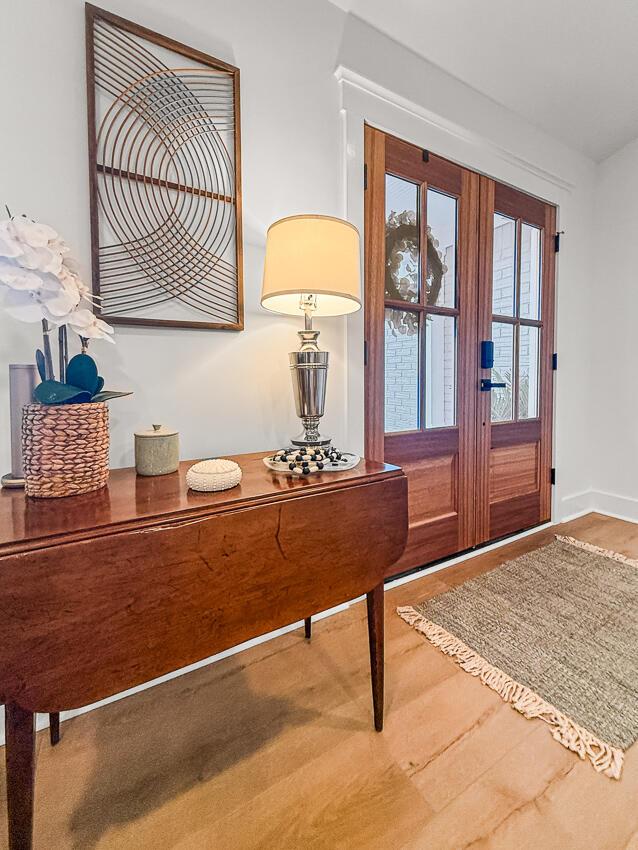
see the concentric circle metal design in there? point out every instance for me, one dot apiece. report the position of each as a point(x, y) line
point(165, 184)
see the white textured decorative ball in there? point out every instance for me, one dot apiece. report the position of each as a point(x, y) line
point(211, 475)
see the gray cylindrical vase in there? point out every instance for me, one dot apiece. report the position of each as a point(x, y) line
point(156, 451)
point(23, 378)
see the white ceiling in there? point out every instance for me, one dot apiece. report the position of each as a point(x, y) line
point(568, 66)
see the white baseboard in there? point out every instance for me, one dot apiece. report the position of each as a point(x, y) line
point(619, 507)
point(609, 504)
point(578, 504)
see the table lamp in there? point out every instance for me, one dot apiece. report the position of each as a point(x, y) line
point(312, 268)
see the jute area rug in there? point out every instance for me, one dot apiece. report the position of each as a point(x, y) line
point(555, 634)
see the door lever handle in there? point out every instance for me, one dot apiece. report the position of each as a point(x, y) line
point(487, 385)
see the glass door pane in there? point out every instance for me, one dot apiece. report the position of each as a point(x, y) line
point(503, 372)
point(504, 266)
point(528, 372)
point(440, 371)
point(441, 249)
point(402, 239)
point(402, 384)
point(530, 297)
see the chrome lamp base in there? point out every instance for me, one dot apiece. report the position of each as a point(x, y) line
point(310, 435)
point(309, 372)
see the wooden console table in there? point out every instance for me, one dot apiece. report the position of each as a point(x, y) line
point(102, 592)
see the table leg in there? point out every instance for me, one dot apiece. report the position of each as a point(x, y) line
point(375, 635)
point(308, 627)
point(54, 728)
point(20, 756)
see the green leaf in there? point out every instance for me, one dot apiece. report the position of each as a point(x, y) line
point(108, 394)
point(82, 372)
point(42, 368)
point(54, 392)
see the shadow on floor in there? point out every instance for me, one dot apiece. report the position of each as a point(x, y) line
point(155, 746)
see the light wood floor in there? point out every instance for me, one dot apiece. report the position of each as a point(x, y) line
point(274, 748)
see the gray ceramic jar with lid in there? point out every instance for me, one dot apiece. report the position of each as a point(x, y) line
point(156, 451)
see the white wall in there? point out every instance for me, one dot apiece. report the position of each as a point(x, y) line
point(230, 392)
point(226, 392)
point(614, 376)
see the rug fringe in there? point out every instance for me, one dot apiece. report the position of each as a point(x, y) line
point(596, 550)
point(605, 758)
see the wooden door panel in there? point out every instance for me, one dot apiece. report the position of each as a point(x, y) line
point(513, 471)
point(432, 488)
point(437, 452)
point(516, 493)
point(407, 160)
point(433, 511)
point(515, 514)
point(470, 480)
point(429, 541)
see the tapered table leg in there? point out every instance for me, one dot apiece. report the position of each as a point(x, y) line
point(375, 635)
point(307, 623)
point(54, 728)
point(20, 755)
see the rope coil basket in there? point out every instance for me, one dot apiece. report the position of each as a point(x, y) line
point(65, 448)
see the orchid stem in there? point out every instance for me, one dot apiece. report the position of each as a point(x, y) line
point(48, 360)
point(63, 352)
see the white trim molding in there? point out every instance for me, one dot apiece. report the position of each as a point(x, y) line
point(575, 505)
point(600, 502)
point(357, 81)
point(614, 505)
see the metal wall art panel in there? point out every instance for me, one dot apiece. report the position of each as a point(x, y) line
point(164, 155)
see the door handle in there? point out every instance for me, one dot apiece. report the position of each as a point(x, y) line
point(487, 385)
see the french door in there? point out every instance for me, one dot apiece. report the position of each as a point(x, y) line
point(459, 322)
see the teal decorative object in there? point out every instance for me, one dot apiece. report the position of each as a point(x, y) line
point(54, 392)
point(82, 385)
point(41, 364)
point(82, 372)
point(108, 394)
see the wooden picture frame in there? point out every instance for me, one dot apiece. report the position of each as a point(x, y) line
point(165, 179)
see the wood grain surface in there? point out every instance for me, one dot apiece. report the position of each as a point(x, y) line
point(102, 595)
point(274, 749)
point(136, 501)
point(151, 588)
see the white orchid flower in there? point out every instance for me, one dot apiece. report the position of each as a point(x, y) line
point(43, 281)
point(40, 259)
point(16, 277)
point(86, 324)
point(60, 305)
point(30, 232)
point(9, 247)
point(24, 305)
point(27, 243)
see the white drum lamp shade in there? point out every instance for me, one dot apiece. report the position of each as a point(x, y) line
point(312, 255)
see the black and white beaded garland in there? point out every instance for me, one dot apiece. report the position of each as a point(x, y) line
point(304, 460)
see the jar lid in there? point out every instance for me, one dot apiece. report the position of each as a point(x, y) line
point(157, 431)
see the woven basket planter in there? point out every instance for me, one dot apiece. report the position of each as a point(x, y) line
point(65, 448)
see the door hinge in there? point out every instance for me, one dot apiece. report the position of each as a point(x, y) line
point(554, 361)
point(557, 240)
point(552, 475)
point(365, 352)
point(426, 156)
point(365, 176)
